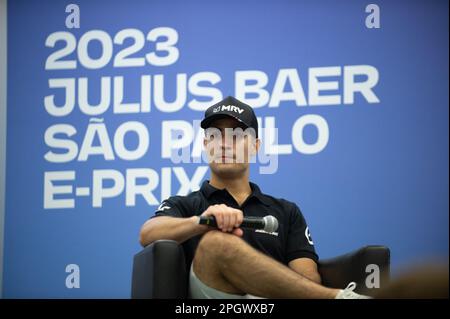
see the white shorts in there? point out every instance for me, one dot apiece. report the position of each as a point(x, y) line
point(198, 290)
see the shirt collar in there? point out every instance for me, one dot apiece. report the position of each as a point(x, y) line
point(208, 190)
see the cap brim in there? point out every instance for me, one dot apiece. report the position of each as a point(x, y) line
point(208, 121)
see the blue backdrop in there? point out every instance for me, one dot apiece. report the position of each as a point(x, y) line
point(380, 178)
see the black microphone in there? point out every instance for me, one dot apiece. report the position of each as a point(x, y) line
point(268, 224)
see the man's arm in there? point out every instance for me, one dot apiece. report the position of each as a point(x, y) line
point(181, 229)
point(307, 268)
point(174, 228)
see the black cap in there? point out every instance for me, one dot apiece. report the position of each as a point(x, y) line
point(231, 107)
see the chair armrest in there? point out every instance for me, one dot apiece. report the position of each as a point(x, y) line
point(357, 266)
point(159, 271)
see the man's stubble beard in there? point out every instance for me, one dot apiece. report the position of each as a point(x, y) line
point(228, 171)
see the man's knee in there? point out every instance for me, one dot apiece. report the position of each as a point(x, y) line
point(215, 250)
point(219, 245)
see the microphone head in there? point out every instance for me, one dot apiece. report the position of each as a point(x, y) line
point(271, 224)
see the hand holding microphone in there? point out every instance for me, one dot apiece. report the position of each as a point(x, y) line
point(229, 219)
point(268, 223)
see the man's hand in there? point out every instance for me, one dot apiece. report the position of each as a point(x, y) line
point(228, 219)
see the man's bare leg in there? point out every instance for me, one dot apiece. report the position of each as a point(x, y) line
point(227, 263)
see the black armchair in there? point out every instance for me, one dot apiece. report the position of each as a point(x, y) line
point(159, 270)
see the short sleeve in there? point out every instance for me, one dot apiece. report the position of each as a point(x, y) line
point(168, 208)
point(299, 242)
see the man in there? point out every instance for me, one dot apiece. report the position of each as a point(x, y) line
point(229, 262)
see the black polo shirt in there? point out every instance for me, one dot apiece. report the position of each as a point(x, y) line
point(292, 239)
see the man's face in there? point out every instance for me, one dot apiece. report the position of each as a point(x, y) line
point(229, 146)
